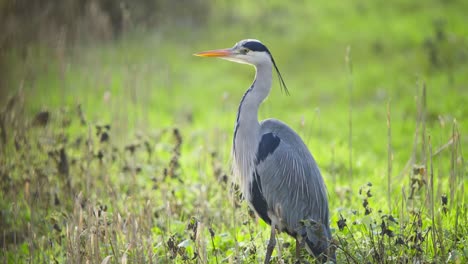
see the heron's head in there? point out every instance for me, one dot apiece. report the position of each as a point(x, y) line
point(248, 51)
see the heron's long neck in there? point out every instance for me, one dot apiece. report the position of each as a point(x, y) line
point(247, 130)
point(247, 115)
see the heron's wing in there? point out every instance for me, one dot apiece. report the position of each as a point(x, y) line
point(287, 177)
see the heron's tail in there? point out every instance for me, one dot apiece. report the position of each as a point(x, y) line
point(317, 238)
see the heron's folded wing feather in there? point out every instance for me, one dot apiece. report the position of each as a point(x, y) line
point(291, 182)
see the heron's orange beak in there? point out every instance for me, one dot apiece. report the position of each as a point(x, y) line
point(215, 53)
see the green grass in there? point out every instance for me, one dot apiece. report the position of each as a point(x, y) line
point(142, 206)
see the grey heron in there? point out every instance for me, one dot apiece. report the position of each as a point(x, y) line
point(277, 174)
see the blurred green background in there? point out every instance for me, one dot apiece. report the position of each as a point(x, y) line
point(130, 64)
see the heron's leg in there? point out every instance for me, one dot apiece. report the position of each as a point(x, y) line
point(271, 244)
point(299, 246)
point(280, 250)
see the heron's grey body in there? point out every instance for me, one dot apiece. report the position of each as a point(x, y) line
point(278, 175)
point(291, 182)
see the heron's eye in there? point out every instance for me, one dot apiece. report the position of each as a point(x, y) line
point(244, 50)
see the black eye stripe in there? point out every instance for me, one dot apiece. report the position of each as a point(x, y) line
point(255, 46)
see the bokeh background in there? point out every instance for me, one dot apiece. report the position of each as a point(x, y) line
point(106, 113)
